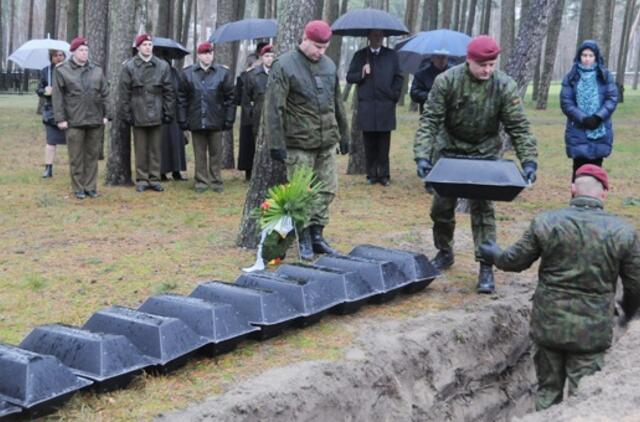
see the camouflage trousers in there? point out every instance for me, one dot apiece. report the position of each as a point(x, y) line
point(443, 215)
point(553, 367)
point(323, 164)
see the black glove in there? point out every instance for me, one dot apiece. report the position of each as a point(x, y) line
point(166, 119)
point(184, 126)
point(344, 146)
point(592, 122)
point(424, 166)
point(489, 251)
point(529, 169)
point(278, 154)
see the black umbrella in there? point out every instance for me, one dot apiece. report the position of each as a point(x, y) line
point(166, 48)
point(358, 23)
point(245, 29)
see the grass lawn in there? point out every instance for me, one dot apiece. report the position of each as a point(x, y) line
point(62, 259)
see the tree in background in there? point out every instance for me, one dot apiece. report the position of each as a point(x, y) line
point(630, 6)
point(50, 19)
point(445, 16)
point(122, 31)
point(330, 13)
point(485, 22)
point(429, 15)
point(266, 173)
point(73, 19)
point(550, 51)
point(507, 30)
point(471, 19)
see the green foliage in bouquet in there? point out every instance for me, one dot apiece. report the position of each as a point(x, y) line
point(286, 206)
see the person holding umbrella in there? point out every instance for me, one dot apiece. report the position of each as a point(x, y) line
point(304, 120)
point(376, 71)
point(425, 76)
point(253, 94)
point(147, 101)
point(54, 135)
point(80, 109)
point(206, 107)
point(467, 105)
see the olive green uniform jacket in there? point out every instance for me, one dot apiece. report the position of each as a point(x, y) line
point(582, 250)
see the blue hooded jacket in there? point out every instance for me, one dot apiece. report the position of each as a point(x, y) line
point(575, 137)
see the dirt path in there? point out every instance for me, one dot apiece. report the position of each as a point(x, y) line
point(466, 364)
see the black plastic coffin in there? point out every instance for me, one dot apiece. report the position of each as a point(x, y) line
point(308, 295)
point(219, 322)
point(347, 286)
point(495, 180)
point(7, 409)
point(384, 277)
point(416, 267)
point(164, 339)
point(261, 307)
point(35, 381)
point(108, 359)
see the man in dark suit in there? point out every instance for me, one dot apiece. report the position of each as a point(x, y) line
point(376, 71)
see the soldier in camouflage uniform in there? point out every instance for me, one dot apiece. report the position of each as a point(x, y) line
point(305, 120)
point(461, 118)
point(582, 250)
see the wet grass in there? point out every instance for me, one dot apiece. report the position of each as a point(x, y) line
point(62, 259)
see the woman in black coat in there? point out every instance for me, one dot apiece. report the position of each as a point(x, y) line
point(376, 71)
point(54, 135)
point(173, 158)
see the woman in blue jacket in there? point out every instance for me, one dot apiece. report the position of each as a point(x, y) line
point(588, 98)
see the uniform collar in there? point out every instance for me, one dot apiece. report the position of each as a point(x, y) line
point(473, 78)
point(139, 61)
point(199, 66)
point(586, 202)
point(76, 65)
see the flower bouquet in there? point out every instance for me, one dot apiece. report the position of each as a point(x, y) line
point(283, 214)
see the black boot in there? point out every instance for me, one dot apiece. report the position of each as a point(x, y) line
point(486, 283)
point(443, 259)
point(306, 250)
point(319, 244)
point(48, 171)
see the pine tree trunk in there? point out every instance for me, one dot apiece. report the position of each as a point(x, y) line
point(357, 162)
point(183, 38)
point(12, 20)
point(429, 15)
point(73, 17)
point(536, 77)
point(624, 47)
point(533, 27)
point(266, 173)
point(636, 74)
point(463, 16)
point(507, 30)
point(410, 18)
point(550, 52)
point(2, 55)
point(447, 11)
point(330, 13)
point(163, 24)
point(121, 31)
point(97, 32)
point(485, 25)
point(471, 19)
point(585, 24)
point(605, 47)
point(50, 19)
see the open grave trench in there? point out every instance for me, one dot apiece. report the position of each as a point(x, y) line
point(471, 364)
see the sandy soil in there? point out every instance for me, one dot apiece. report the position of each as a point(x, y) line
point(466, 364)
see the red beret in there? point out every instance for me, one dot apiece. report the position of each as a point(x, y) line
point(596, 172)
point(483, 48)
point(205, 47)
point(266, 49)
point(142, 38)
point(77, 42)
point(318, 31)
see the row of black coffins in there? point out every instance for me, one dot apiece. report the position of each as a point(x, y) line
point(116, 343)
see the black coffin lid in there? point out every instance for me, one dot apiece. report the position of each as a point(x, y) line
point(259, 306)
point(7, 409)
point(308, 296)
point(30, 379)
point(161, 338)
point(382, 276)
point(352, 286)
point(97, 356)
point(216, 321)
point(495, 180)
point(415, 266)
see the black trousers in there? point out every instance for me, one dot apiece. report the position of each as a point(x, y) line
point(579, 162)
point(376, 154)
